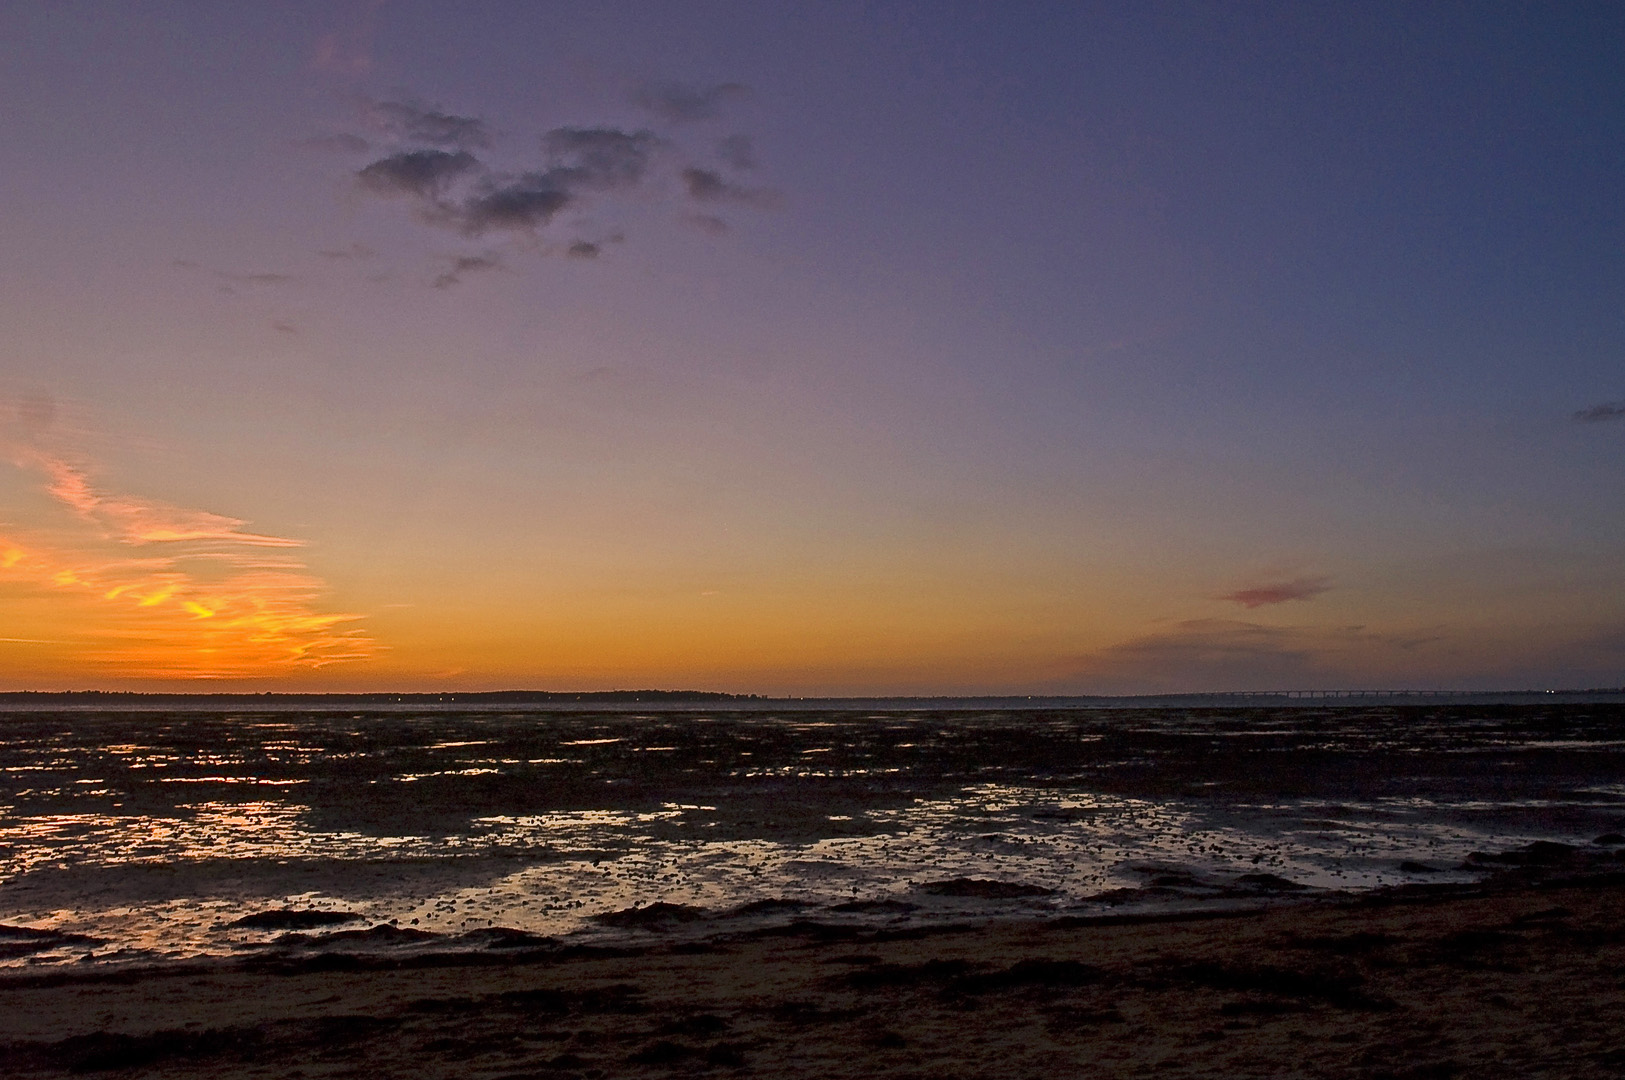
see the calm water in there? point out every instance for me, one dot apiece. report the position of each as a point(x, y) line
point(150, 832)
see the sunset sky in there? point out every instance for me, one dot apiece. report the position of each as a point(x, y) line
point(812, 348)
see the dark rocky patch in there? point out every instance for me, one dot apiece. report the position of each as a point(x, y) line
point(18, 941)
point(657, 916)
point(1270, 883)
point(504, 937)
point(293, 919)
point(767, 907)
point(875, 907)
point(1612, 839)
point(1539, 853)
point(382, 934)
point(1411, 866)
point(983, 889)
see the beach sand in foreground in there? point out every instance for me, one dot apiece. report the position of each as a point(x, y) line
point(1513, 981)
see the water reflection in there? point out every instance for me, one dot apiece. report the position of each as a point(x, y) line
point(154, 833)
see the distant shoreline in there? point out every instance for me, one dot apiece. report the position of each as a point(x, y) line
point(687, 699)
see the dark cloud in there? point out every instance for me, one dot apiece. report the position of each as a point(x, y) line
point(524, 203)
point(466, 264)
point(417, 123)
point(1279, 592)
point(284, 327)
point(342, 143)
point(738, 151)
point(583, 249)
point(420, 174)
point(599, 158)
point(709, 186)
point(681, 102)
point(451, 188)
point(1601, 414)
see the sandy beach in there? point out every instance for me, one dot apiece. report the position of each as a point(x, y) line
point(1515, 977)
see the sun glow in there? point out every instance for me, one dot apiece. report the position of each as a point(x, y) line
point(198, 598)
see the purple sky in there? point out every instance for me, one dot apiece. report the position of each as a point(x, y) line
point(812, 348)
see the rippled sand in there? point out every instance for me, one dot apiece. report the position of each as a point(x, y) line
point(1517, 978)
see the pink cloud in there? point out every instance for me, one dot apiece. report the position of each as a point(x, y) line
point(203, 599)
point(1279, 592)
point(141, 521)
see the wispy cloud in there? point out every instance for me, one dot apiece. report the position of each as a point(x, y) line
point(466, 264)
point(415, 122)
point(140, 521)
point(1235, 654)
point(163, 591)
point(1601, 414)
point(1211, 654)
point(1279, 592)
point(709, 186)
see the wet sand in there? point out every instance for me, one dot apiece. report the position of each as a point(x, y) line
point(1514, 977)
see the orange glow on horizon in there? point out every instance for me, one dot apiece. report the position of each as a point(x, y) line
point(207, 602)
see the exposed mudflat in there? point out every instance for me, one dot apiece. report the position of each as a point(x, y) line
point(135, 838)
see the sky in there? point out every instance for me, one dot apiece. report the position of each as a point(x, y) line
point(823, 348)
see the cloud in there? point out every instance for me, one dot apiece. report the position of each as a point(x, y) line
point(448, 187)
point(139, 521)
point(417, 123)
point(521, 204)
point(581, 160)
point(1601, 414)
point(738, 151)
point(682, 102)
point(599, 158)
point(1205, 654)
point(709, 186)
point(143, 588)
point(466, 264)
point(1279, 592)
point(418, 174)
